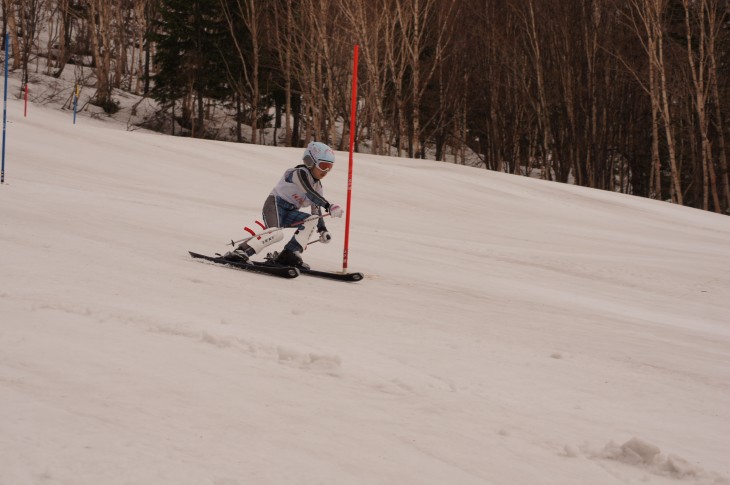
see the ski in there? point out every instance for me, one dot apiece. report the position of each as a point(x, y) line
point(275, 270)
point(331, 275)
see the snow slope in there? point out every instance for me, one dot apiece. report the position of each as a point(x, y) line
point(508, 331)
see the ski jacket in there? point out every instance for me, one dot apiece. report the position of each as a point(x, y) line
point(299, 188)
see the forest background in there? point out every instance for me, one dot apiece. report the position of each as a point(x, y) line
point(620, 95)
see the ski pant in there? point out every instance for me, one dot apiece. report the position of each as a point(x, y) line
point(280, 213)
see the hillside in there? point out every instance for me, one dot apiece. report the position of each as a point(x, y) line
point(509, 330)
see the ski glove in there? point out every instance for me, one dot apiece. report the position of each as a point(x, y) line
point(324, 236)
point(335, 210)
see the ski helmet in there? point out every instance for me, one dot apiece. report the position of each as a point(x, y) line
point(317, 152)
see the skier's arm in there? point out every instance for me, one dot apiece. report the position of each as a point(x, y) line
point(317, 211)
point(301, 178)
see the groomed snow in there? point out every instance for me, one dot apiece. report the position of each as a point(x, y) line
point(509, 330)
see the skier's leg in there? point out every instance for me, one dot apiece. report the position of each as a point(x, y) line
point(244, 250)
point(256, 244)
point(270, 212)
point(279, 213)
point(292, 253)
point(301, 237)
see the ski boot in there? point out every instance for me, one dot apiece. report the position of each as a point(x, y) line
point(238, 255)
point(291, 258)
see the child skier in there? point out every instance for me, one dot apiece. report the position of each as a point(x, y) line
point(299, 187)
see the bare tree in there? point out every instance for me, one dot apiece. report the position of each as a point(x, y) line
point(319, 58)
point(100, 32)
point(646, 18)
point(67, 15)
point(281, 44)
point(249, 12)
point(419, 19)
point(717, 14)
point(694, 19)
point(369, 27)
point(534, 47)
point(13, 9)
point(29, 14)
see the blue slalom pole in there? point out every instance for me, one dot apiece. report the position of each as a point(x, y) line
point(5, 106)
point(76, 100)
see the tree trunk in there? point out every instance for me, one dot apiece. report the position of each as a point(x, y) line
point(716, 25)
point(98, 36)
point(11, 11)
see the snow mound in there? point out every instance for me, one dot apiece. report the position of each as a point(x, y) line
point(645, 455)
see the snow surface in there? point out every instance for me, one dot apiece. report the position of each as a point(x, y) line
point(509, 330)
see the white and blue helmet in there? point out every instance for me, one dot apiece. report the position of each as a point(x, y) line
point(317, 152)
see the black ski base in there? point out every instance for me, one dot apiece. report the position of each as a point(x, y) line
point(254, 267)
point(331, 275)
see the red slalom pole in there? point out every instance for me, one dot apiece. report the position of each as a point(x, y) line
point(25, 110)
point(353, 112)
